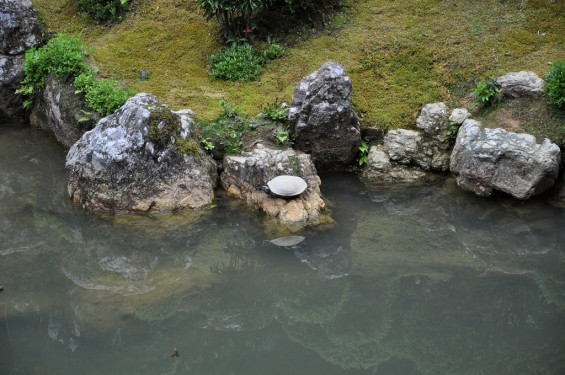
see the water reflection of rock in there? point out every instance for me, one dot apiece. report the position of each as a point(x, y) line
point(328, 258)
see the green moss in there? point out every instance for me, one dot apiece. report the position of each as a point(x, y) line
point(400, 55)
point(165, 128)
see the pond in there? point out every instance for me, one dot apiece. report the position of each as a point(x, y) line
point(420, 279)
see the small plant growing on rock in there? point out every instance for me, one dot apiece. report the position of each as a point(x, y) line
point(555, 84)
point(486, 93)
point(104, 96)
point(363, 154)
point(277, 111)
point(452, 132)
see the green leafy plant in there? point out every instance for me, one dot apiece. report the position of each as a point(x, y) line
point(62, 56)
point(236, 63)
point(295, 164)
point(486, 93)
point(283, 138)
point(555, 84)
point(274, 51)
point(452, 132)
point(104, 11)
point(363, 154)
point(224, 135)
point(277, 111)
point(234, 16)
point(104, 96)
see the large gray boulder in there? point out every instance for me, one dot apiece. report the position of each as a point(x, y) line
point(519, 84)
point(433, 124)
point(137, 160)
point(19, 31)
point(244, 176)
point(59, 111)
point(402, 145)
point(324, 121)
point(484, 160)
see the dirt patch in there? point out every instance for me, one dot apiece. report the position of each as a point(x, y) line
point(530, 115)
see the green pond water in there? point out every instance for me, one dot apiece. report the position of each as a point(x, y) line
point(410, 280)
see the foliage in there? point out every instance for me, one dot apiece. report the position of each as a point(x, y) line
point(486, 92)
point(233, 16)
point(104, 11)
point(224, 135)
point(276, 111)
point(104, 96)
point(274, 51)
point(236, 63)
point(555, 84)
point(63, 56)
point(452, 132)
point(363, 154)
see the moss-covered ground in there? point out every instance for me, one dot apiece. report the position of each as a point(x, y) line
point(400, 54)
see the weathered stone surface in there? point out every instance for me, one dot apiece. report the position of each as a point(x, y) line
point(324, 121)
point(433, 122)
point(19, 30)
point(11, 76)
point(19, 26)
point(519, 84)
point(484, 160)
point(459, 115)
point(132, 161)
point(61, 112)
point(402, 145)
point(244, 176)
point(379, 169)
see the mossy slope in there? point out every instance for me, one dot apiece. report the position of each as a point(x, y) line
point(400, 55)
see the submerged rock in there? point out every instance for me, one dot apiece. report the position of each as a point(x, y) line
point(244, 176)
point(61, 112)
point(19, 31)
point(325, 123)
point(484, 160)
point(137, 160)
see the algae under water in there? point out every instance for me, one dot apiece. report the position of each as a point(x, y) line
point(411, 280)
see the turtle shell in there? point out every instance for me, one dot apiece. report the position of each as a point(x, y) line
point(287, 186)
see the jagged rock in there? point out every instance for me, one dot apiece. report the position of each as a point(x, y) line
point(324, 121)
point(519, 84)
point(19, 26)
point(244, 176)
point(402, 145)
point(459, 115)
point(11, 76)
point(433, 122)
point(380, 169)
point(484, 160)
point(19, 30)
point(61, 112)
point(137, 160)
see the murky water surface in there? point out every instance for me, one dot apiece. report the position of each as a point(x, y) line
point(411, 280)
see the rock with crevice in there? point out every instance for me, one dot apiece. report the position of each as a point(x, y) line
point(484, 160)
point(137, 160)
point(323, 119)
point(245, 175)
point(521, 84)
point(380, 169)
point(19, 30)
point(61, 112)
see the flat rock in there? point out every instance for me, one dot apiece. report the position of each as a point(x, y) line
point(520, 84)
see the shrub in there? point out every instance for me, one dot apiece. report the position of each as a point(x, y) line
point(104, 11)
point(274, 51)
point(62, 55)
point(486, 92)
point(555, 84)
point(236, 63)
point(104, 96)
point(224, 135)
point(233, 16)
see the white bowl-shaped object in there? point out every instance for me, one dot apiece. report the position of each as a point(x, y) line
point(287, 186)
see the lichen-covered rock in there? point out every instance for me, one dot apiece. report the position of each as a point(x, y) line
point(324, 121)
point(459, 115)
point(19, 31)
point(11, 76)
point(137, 160)
point(519, 84)
point(379, 169)
point(402, 145)
point(61, 112)
point(244, 176)
point(19, 26)
point(433, 123)
point(484, 160)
